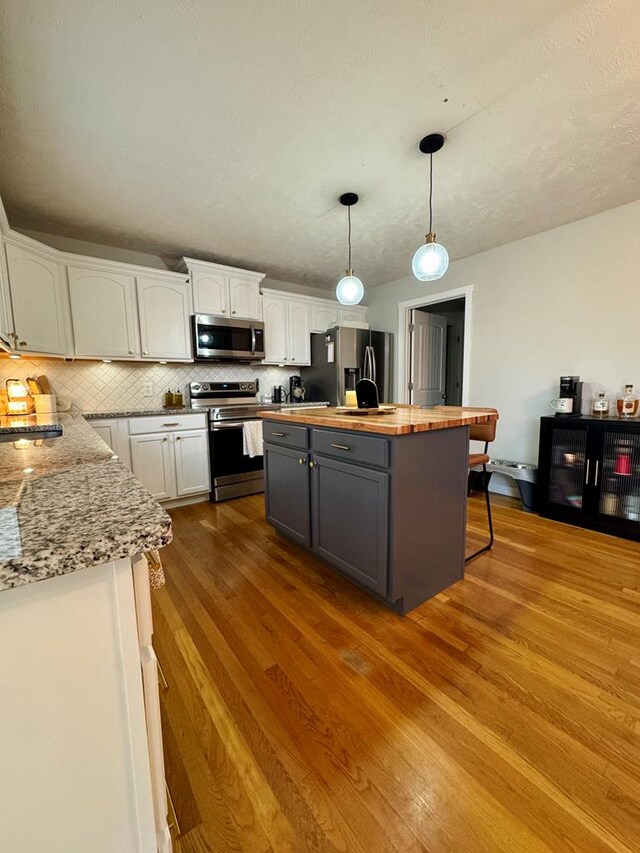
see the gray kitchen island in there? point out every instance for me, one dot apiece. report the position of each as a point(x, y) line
point(381, 498)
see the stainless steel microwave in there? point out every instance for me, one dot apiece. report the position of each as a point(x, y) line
point(221, 339)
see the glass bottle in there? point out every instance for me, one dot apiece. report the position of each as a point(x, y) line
point(178, 400)
point(600, 408)
point(609, 499)
point(168, 399)
point(628, 403)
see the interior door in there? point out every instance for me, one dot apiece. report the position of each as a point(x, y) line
point(428, 359)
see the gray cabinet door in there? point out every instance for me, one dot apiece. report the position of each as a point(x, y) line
point(287, 491)
point(349, 510)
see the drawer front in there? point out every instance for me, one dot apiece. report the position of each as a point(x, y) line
point(166, 423)
point(351, 447)
point(286, 435)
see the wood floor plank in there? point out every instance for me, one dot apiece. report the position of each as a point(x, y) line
point(503, 715)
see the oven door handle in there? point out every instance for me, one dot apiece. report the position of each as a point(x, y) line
point(253, 339)
point(217, 427)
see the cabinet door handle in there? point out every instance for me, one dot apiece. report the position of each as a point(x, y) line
point(586, 479)
point(224, 310)
point(233, 312)
point(280, 434)
point(341, 446)
point(312, 464)
point(177, 438)
point(300, 461)
point(130, 352)
point(595, 479)
point(145, 352)
point(165, 438)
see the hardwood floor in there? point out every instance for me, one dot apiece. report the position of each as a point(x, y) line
point(503, 715)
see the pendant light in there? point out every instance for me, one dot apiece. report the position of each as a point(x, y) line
point(430, 261)
point(349, 289)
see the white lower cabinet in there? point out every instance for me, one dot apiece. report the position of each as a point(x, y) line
point(80, 735)
point(192, 462)
point(171, 463)
point(115, 433)
point(153, 463)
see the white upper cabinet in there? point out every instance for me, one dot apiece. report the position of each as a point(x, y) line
point(276, 330)
point(224, 291)
point(103, 309)
point(210, 293)
point(287, 324)
point(245, 301)
point(39, 299)
point(299, 332)
point(164, 307)
point(6, 317)
point(324, 315)
point(355, 313)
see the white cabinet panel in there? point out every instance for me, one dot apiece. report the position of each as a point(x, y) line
point(355, 313)
point(275, 330)
point(245, 301)
point(210, 292)
point(299, 333)
point(39, 301)
point(323, 317)
point(115, 433)
point(6, 317)
point(192, 462)
point(152, 462)
point(163, 306)
point(75, 761)
point(103, 313)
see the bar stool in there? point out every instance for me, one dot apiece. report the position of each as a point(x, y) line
point(486, 433)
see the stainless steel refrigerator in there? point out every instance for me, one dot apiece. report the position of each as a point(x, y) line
point(341, 356)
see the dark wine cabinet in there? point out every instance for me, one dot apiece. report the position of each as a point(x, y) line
point(589, 473)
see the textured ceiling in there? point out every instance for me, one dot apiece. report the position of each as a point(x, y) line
point(226, 129)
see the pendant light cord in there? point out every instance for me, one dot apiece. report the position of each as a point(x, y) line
point(430, 193)
point(349, 237)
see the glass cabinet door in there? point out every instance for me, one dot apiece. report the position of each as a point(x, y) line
point(619, 476)
point(568, 468)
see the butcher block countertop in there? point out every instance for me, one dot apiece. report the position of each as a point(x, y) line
point(405, 420)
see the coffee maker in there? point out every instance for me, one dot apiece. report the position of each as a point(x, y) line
point(571, 389)
point(296, 389)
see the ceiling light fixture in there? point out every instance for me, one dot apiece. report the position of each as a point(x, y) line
point(430, 261)
point(349, 289)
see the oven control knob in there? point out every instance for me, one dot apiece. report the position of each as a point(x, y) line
point(205, 386)
point(195, 387)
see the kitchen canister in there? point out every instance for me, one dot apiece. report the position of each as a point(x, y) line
point(45, 403)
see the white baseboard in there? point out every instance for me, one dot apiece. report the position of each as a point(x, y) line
point(192, 499)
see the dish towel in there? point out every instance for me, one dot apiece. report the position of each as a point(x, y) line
point(252, 444)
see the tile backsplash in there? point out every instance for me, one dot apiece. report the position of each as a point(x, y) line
point(93, 386)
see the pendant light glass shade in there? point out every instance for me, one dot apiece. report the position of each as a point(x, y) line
point(349, 290)
point(430, 261)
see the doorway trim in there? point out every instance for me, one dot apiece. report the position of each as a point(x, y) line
point(404, 355)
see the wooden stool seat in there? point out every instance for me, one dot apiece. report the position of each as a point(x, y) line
point(477, 459)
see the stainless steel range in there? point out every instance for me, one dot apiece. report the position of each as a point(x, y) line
point(230, 404)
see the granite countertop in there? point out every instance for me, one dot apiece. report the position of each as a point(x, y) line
point(68, 503)
point(18, 424)
point(405, 419)
point(141, 413)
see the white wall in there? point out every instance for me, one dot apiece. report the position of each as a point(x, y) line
point(563, 301)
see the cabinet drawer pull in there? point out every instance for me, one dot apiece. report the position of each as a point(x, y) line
point(173, 423)
point(341, 446)
point(595, 479)
point(586, 479)
point(280, 434)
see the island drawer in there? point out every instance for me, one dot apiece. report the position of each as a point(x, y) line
point(351, 446)
point(166, 423)
point(286, 435)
